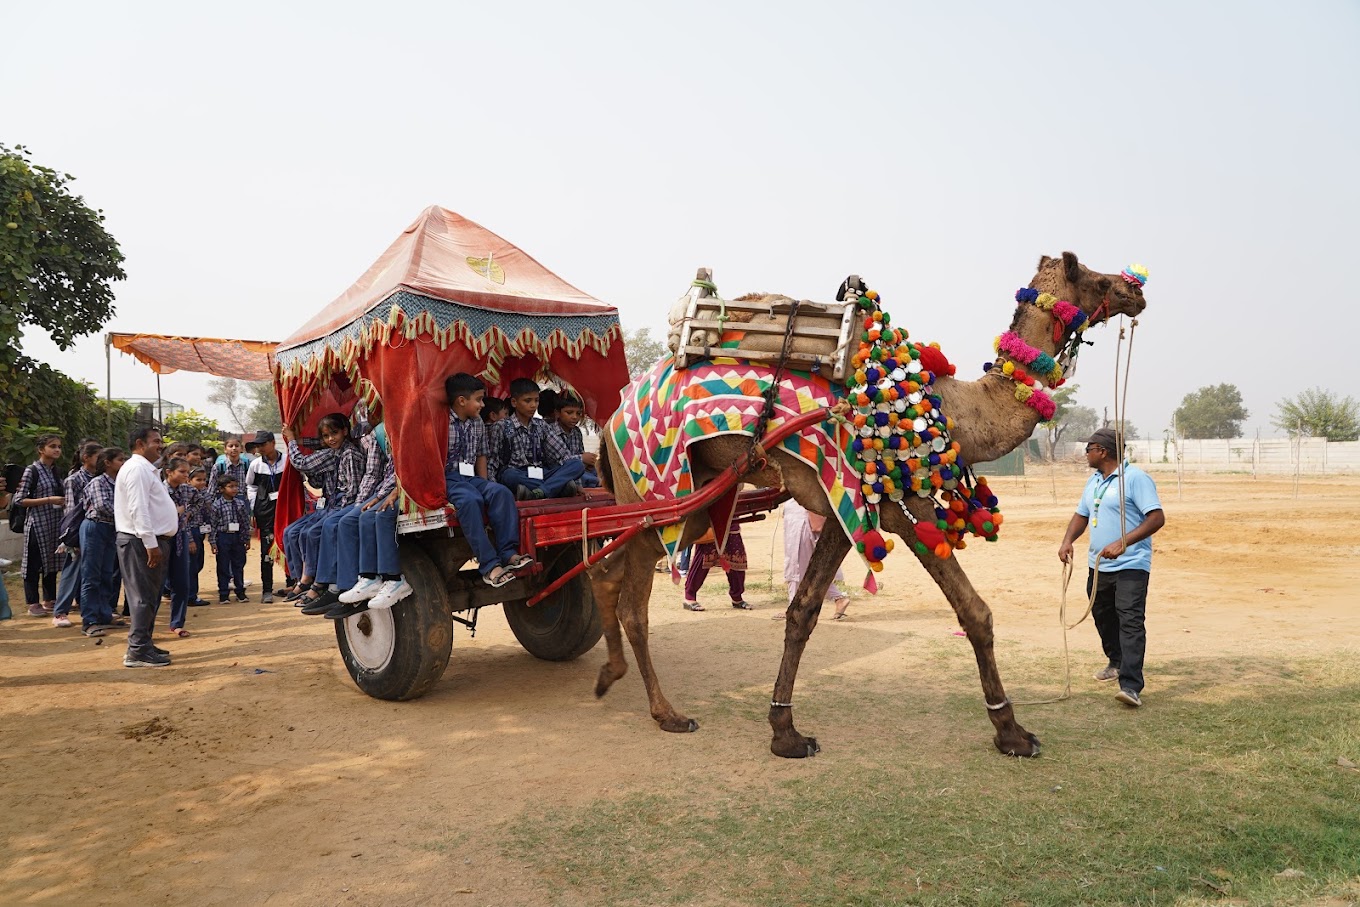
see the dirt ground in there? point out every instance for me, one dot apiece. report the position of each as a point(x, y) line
point(253, 771)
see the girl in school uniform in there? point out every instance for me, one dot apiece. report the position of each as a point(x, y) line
point(40, 493)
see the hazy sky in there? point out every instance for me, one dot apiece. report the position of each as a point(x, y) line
point(254, 158)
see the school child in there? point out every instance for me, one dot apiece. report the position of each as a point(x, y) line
point(40, 494)
point(180, 551)
point(68, 533)
point(229, 536)
point(493, 410)
point(262, 488)
point(471, 493)
point(99, 577)
point(368, 565)
point(332, 551)
point(569, 413)
point(338, 470)
point(231, 464)
point(534, 462)
point(198, 529)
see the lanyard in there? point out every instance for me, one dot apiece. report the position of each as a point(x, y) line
point(464, 439)
point(1099, 494)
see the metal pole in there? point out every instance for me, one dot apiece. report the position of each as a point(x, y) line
point(108, 389)
point(160, 409)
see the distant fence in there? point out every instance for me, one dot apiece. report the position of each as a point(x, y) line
point(1271, 456)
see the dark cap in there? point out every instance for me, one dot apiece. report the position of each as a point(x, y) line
point(1106, 439)
point(261, 437)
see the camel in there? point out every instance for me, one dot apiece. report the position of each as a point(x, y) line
point(990, 422)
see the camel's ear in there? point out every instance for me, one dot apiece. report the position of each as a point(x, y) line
point(1045, 261)
point(1104, 284)
point(1071, 268)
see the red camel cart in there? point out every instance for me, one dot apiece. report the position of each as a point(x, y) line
point(451, 296)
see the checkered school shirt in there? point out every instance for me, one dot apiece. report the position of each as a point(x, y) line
point(336, 473)
point(184, 496)
point(43, 522)
point(222, 513)
point(573, 439)
point(217, 476)
point(376, 466)
point(467, 441)
point(98, 499)
point(530, 445)
point(76, 483)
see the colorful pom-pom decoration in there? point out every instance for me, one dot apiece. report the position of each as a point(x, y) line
point(1137, 274)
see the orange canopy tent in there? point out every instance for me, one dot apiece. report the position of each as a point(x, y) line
point(249, 360)
point(447, 296)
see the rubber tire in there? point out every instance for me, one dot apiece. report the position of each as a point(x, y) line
point(424, 636)
point(565, 625)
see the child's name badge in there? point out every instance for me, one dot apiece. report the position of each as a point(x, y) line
point(321, 504)
point(273, 495)
point(233, 527)
point(536, 472)
point(205, 528)
point(465, 469)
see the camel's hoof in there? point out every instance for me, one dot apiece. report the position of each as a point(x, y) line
point(797, 748)
point(605, 681)
point(679, 725)
point(1029, 749)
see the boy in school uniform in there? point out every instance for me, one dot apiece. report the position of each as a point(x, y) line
point(493, 410)
point(262, 488)
point(231, 464)
point(339, 469)
point(534, 461)
point(183, 493)
point(229, 536)
point(369, 566)
point(471, 493)
point(198, 528)
point(569, 413)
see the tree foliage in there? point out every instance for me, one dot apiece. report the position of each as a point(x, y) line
point(1317, 413)
point(1070, 421)
point(263, 409)
point(642, 350)
point(191, 426)
point(57, 264)
point(1213, 411)
point(229, 394)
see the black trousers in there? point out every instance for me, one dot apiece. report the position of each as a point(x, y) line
point(35, 573)
point(1119, 612)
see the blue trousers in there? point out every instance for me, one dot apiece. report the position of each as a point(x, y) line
point(195, 563)
point(590, 479)
point(68, 585)
point(178, 570)
point(552, 482)
point(367, 545)
point(231, 562)
point(327, 532)
point(473, 496)
point(292, 542)
point(99, 583)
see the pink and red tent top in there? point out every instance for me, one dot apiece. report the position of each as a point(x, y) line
point(448, 296)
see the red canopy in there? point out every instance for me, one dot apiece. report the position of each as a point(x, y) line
point(448, 296)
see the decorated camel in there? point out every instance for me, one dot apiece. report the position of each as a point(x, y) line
point(948, 423)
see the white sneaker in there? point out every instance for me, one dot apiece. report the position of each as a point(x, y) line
point(5, 562)
point(366, 588)
point(393, 591)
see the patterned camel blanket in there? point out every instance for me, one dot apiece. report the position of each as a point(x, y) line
point(667, 409)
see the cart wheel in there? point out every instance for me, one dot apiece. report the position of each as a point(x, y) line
point(565, 625)
point(398, 653)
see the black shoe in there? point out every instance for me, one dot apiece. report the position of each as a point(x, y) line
point(241, 597)
point(741, 606)
point(340, 612)
point(145, 660)
point(222, 599)
point(197, 603)
point(323, 604)
point(298, 593)
point(159, 651)
point(537, 494)
point(571, 490)
point(521, 493)
point(282, 593)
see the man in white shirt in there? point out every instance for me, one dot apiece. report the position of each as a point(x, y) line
point(146, 521)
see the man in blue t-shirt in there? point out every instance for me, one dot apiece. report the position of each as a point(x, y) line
point(1123, 555)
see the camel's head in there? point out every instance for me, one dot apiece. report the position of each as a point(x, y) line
point(1100, 296)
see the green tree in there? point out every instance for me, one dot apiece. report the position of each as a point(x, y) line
point(1319, 414)
point(642, 350)
point(1069, 420)
point(191, 426)
point(263, 409)
point(1213, 411)
point(57, 264)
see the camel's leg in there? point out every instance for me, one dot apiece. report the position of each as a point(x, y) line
point(607, 581)
point(976, 619)
point(634, 595)
point(802, 619)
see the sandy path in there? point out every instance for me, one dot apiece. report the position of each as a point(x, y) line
point(211, 783)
